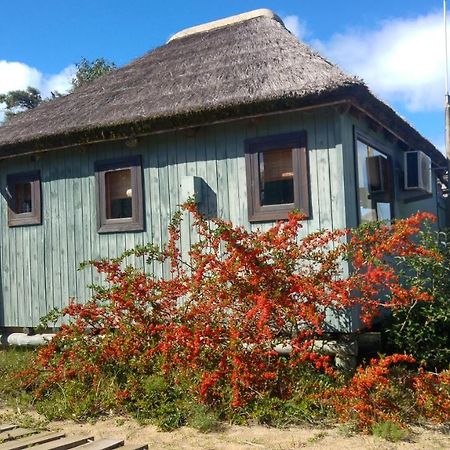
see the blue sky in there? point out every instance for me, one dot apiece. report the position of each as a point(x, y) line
point(396, 46)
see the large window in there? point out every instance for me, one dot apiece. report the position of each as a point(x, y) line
point(120, 202)
point(375, 183)
point(277, 176)
point(24, 199)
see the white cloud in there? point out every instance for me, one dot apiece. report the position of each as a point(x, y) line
point(17, 75)
point(295, 26)
point(401, 60)
point(61, 82)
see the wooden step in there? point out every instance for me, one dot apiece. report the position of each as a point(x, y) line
point(102, 444)
point(135, 447)
point(35, 439)
point(7, 426)
point(15, 433)
point(64, 444)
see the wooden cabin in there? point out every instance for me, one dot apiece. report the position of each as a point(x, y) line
point(237, 112)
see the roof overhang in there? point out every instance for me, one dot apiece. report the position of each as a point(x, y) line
point(356, 97)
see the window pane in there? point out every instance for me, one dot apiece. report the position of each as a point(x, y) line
point(118, 194)
point(23, 198)
point(375, 189)
point(276, 177)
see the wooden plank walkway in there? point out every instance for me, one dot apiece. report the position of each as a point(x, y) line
point(17, 438)
point(34, 439)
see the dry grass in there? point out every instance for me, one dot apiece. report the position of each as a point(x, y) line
point(236, 437)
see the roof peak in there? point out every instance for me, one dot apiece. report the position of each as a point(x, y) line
point(263, 12)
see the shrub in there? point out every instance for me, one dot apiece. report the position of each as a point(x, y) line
point(422, 329)
point(391, 390)
point(207, 332)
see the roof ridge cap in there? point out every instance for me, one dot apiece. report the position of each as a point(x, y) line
point(263, 12)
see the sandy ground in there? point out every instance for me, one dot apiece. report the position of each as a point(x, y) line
point(245, 438)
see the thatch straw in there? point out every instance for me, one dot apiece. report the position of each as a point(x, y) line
point(251, 67)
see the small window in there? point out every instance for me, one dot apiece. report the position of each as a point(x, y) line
point(375, 183)
point(277, 176)
point(24, 199)
point(120, 201)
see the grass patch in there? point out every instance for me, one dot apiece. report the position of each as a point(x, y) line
point(390, 431)
point(317, 437)
point(25, 420)
point(203, 419)
point(14, 360)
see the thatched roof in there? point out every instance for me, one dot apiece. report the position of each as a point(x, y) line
point(249, 67)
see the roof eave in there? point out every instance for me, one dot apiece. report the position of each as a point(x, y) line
point(357, 95)
point(163, 124)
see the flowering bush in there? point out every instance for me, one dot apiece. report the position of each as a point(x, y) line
point(209, 328)
point(387, 392)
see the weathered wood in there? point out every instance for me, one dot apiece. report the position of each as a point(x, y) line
point(64, 444)
point(223, 199)
point(311, 143)
point(7, 426)
point(134, 447)
point(41, 438)
point(323, 171)
point(69, 187)
point(337, 177)
point(102, 444)
point(15, 433)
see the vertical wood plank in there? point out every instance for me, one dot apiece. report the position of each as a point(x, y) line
point(223, 200)
point(337, 179)
point(164, 188)
point(323, 174)
point(351, 207)
point(70, 175)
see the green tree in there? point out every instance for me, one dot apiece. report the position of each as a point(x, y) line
point(20, 100)
point(88, 71)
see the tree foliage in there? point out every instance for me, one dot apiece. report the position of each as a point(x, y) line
point(20, 100)
point(87, 71)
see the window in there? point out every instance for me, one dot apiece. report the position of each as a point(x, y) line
point(24, 199)
point(119, 190)
point(277, 176)
point(375, 183)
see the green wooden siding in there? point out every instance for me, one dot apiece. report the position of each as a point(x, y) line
point(39, 263)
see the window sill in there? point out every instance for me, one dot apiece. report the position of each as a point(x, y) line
point(120, 226)
point(274, 213)
point(19, 221)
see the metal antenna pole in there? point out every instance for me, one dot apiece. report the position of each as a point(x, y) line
point(446, 47)
point(447, 117)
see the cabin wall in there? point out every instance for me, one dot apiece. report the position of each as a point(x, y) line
point(39, 263)
point(405, 202)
